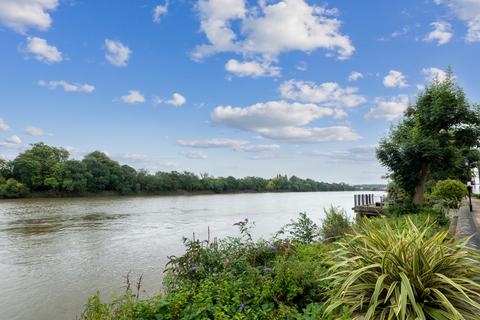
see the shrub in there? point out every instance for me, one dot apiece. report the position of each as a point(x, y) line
point(450, 192)
point(392, 272)
point(335, 224)
point(302, 230)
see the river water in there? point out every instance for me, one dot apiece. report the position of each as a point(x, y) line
point(54, 253)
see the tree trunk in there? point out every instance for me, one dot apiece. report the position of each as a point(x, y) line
point(420, 188)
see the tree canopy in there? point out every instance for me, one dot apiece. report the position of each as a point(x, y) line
point(47, 169)
point(438, 138)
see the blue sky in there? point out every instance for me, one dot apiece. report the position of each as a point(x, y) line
point(228, 87)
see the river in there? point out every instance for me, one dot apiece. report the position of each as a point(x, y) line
point(54, 253)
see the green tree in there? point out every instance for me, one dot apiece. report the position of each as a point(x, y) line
point(105, 173)
point(437, 134)
point(37, 164)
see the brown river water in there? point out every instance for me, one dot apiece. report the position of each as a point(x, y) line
point(54, 253)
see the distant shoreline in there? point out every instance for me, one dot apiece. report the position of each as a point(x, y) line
point(47, 195)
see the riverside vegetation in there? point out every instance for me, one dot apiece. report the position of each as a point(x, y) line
point(47, 171)
point(405, 266)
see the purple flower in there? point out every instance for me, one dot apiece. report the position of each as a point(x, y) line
point(193, 269)
point(273, 247)
point(242, 306)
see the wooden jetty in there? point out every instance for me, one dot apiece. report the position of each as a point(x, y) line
point(369, 205)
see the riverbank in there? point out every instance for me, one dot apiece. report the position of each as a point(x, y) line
point(294, 276)
point(105, 194)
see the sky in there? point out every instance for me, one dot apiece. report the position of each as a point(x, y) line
point(227, 87)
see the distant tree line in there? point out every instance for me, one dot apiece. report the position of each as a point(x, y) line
point(48, 170)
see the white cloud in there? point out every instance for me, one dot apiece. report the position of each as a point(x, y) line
point(133, 157)
point(329, 94)
point(469, 12)
point(177, 100)
point(268, 115)
point(364, 153)
point(117, 53)
point(11, 142)
point(441, 33)
point(23, 14)
point(3, 125)
point(281, 120)
point(258, 148)
point(310, 135)
point(33, 131)
point(354, 76)
point(252, 69)
point(434, 73)
point(212, 143)
point(67, 87)
point(269, 28)
point(196, 155)
point(395, 79)
point(159, 11)
point(388, 109)
point(133, 97)
point(42, 51)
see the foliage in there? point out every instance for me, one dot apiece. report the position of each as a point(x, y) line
point(11, 188)
point(391, 271)
point(235, 278)
point(335, 225)
point(450, 191)
point(302, 230)
point(47, 169)
point(433, 140)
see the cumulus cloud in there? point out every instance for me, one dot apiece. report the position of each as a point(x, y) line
point(42, 51)
point(395, 79)
point(159, 11)
point(212, 143)
point(177, 100)
point(133, 97)
point(117, 53)
point(269, 29)
point(441, 33)
point(434, 73)
point(388, 109)
point(12, 142)
point(281, 120)
point(268, 115)
point(23, 14)
point(34, 131)
point(67, 87)
point(354, 76)
point(195, 155)
point(329, 94)
point(3, 125)
point(253, 69)
point(469, 12)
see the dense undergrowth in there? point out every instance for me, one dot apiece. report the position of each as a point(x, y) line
point(395, 268)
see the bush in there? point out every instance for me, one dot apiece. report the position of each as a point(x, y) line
point(450, 192)
point(302, 230)
point(11, 188)
point(335, 224)
point(387, 271)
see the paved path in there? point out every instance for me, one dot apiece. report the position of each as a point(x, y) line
point(469, 223)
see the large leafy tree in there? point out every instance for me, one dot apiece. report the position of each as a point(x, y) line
point(437, 139)
point(36, 166)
